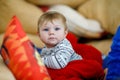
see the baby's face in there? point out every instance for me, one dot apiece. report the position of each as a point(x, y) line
point(51, 33)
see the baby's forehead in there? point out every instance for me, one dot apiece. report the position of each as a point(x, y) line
point(54, 24)
point(53, 21)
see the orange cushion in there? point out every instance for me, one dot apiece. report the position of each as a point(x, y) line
point(20, 55)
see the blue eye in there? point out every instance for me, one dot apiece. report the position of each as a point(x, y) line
point(57, 29)
point(45, 29)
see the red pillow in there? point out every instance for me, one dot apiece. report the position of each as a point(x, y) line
point(20, 55)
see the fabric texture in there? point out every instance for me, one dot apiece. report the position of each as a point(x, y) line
point(60, 55)
point(90, 68)
point(113, 63)
point(78, 70)
point(20, 55)
point(86, 51)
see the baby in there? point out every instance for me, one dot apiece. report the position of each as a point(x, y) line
point(58, 51)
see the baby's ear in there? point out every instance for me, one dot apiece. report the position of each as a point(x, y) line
point(38, 33)
point(66, 32)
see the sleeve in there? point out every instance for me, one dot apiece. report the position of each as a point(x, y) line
point(58, 60)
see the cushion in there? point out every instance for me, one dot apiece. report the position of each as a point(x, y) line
point(20, 54)
point(72, 3)
point(27, 13)
point(77, 23)
point(97, 9)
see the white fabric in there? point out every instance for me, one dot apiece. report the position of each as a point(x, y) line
point(75, 19)
point(59, 56)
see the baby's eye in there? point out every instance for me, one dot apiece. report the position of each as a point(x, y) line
point(45, 29)
point(57, 29)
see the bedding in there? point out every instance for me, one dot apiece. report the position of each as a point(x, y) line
point(22, 58)
point(90, 68)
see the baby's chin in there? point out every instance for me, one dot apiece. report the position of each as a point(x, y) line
point(51, 45)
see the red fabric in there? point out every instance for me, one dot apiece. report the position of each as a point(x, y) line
point(90, 68)
point(78, 70)
point(44, 8)
point(87, 51)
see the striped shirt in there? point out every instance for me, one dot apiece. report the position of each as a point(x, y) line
point(60, 55)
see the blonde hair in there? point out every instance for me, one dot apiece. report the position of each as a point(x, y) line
point(50, 16)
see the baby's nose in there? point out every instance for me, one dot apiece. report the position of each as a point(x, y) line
point(51, 32)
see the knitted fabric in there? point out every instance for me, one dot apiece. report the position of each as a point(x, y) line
point(86, 51)
point(90, 68)
point(78, 70)
point(114, 58)
point(60, 55)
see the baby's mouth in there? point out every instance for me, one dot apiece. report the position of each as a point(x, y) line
point(51, 38)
